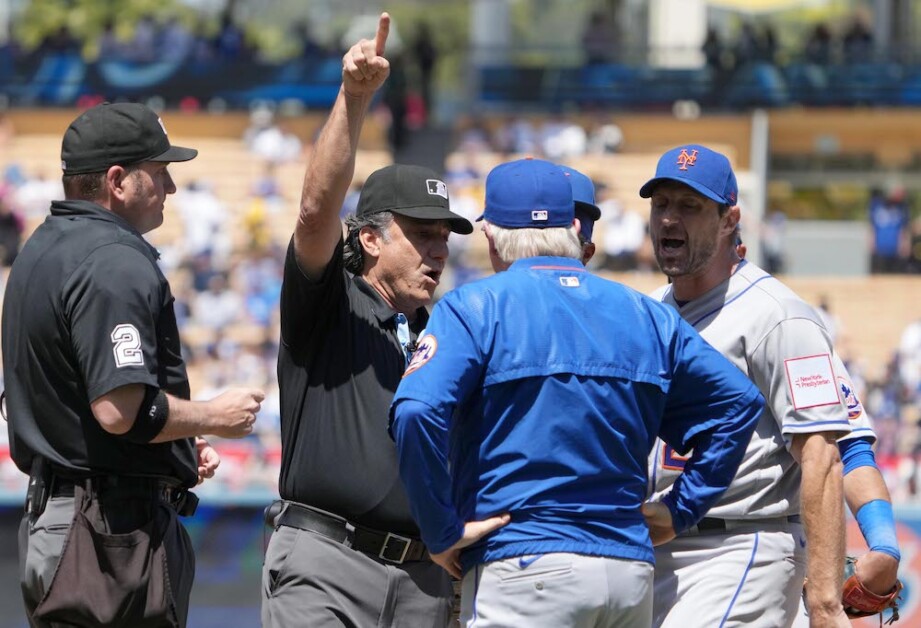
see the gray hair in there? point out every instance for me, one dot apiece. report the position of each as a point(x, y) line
point(353, 254)
point(515, 244)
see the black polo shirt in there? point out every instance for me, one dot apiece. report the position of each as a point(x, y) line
point(338, 368)
point(87, 310)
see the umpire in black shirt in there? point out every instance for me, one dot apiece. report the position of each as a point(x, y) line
point(345, 550)
point(97, 392)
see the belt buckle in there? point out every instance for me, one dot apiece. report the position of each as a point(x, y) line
point(406, 543)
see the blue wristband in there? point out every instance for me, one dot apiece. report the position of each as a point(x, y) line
point(878, 527)
point(856, 453)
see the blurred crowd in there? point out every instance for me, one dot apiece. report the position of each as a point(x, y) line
point(225, 267)
point(155, 38)
point(852, 42)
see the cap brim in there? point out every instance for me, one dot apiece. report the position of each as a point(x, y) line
point(647, 189)
point(458, 223)
point(592, 211)
point(176, 153)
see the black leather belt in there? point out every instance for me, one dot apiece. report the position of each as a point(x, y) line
point(713, 524)
point(169, 491)
point(393, 548)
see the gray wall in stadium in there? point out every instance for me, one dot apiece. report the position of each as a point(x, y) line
point(826, 247)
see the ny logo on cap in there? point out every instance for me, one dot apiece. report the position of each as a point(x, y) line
point(437, 188)
point(685, 159)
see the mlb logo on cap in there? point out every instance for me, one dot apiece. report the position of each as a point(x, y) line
point(705, 171)
point(437, 188)
point(528, 193)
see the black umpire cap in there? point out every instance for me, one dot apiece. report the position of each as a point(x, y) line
point(117, 134)
point(412, 191)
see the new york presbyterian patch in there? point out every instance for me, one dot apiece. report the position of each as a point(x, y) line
point(425, 350)
point(812, 381)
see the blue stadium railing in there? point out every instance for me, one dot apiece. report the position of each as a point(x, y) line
point(62, 79)
point(755, 84)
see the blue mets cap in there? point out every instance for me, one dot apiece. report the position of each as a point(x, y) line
point(528, 193)
point(583, 195)
point(704, 170)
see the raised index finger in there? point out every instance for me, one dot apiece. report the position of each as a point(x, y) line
point(383, 29)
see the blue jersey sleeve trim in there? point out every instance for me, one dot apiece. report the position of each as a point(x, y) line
point(866, 433)
point(805, 427)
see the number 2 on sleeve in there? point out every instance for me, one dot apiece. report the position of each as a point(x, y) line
point(127, 347)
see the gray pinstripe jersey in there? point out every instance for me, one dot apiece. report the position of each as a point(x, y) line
point(780, 342)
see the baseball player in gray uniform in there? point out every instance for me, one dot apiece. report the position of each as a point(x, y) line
point(744, 564)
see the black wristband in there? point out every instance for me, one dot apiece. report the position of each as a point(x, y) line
point(151, 417)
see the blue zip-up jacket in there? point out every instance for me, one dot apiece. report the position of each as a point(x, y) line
point(539, 392)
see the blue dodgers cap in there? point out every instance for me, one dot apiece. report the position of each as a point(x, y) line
point(699, 168)
point(583, 195)
point(528, 193)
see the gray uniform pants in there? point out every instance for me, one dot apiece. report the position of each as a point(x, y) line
point(555, 590)
point(311, 580)
point(40, 549)
point(734, 579)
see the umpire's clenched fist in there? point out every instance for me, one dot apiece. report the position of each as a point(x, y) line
point(364, 68)
point(234, 412)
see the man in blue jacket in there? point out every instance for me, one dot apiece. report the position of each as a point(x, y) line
point(527, 413)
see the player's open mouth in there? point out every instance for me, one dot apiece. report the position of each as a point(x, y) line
point(434, 275)
point(671, 243)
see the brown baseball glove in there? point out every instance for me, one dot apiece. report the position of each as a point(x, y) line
point(859, 602)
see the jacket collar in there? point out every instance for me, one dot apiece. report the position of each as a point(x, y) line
point(93, 211)
point(547, 262)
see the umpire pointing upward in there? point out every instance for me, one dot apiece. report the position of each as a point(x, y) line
point(97, 390)
point(345, 550)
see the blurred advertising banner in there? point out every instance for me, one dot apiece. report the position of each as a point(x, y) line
point(229, 546)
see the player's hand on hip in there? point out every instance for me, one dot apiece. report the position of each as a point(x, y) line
point(235, 412)
point(473, 532)
point(877, 572)
point(659, 520)
point(449, 560)
point(364, 68)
